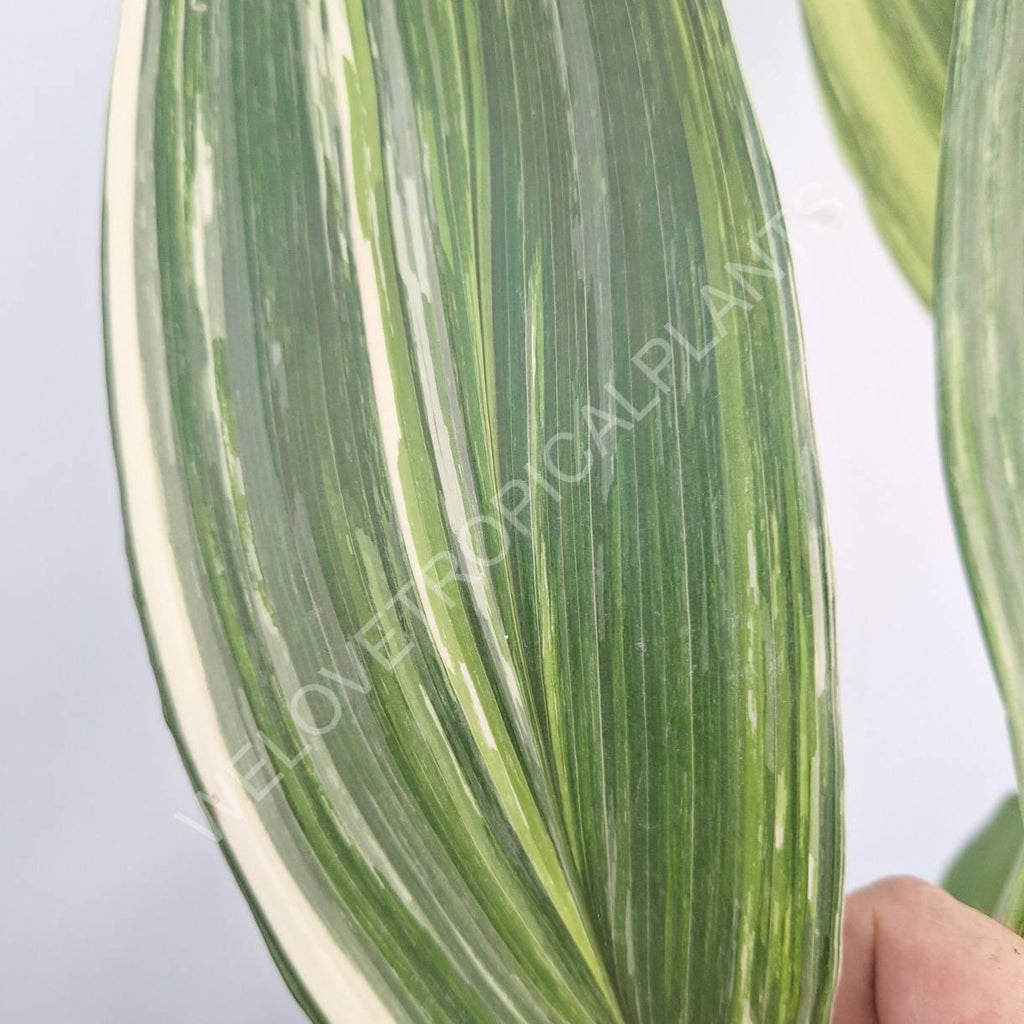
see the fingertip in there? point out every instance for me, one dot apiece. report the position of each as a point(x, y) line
point(913, 953)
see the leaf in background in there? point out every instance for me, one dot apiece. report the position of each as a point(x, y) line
point(471, 496)
point(980, 873)
point(882, 68)
point(1010, 909)
point(980, 324)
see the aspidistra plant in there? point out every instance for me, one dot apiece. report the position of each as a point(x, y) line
point(472, 503)
point(940, 156)
point(979, 312)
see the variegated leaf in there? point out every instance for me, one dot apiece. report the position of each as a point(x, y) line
point(882, 68)
point(980, 324)
point(471, 495)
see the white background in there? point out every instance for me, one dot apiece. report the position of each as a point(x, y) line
point(112, 911)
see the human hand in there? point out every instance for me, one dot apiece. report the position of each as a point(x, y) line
point(914, 955)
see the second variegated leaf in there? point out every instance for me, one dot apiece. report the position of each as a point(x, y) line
point(979, 312)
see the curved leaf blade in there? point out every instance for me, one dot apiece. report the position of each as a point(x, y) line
point(980, 321)
point(470, 491)
point(882, 68)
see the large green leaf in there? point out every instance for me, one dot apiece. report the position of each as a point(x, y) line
point(980, 323)
point(471, 496)
point(882, 67)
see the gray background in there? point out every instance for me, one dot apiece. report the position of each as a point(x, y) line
point(110, 910)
